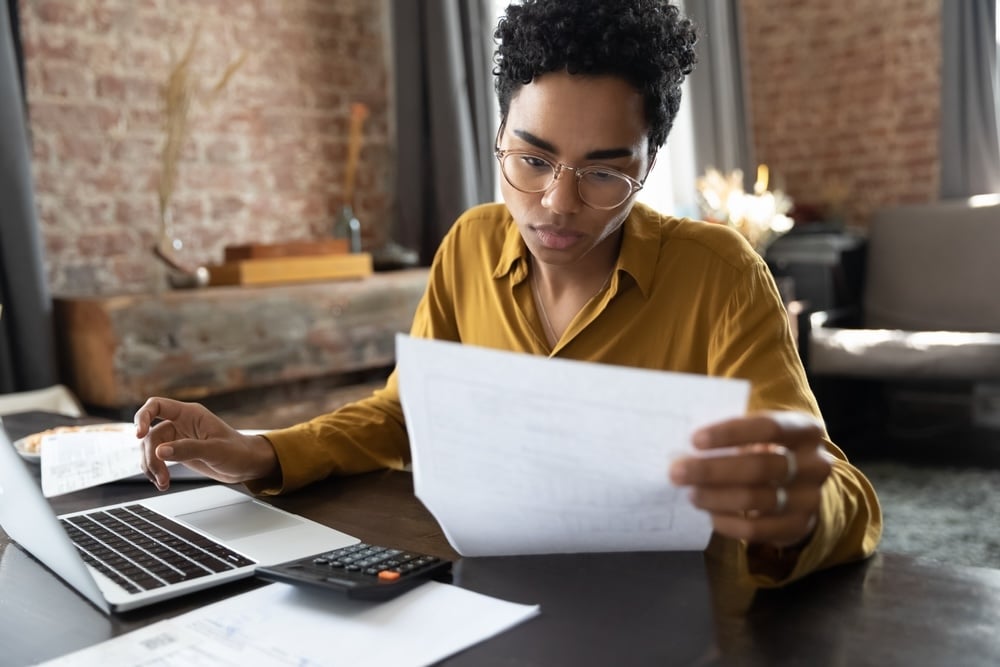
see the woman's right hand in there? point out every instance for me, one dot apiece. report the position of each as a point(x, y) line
point(189, 433)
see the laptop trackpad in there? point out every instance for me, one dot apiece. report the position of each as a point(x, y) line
point(239, 520)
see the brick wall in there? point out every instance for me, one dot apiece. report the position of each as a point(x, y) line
point(264, 161)
point(845, 100)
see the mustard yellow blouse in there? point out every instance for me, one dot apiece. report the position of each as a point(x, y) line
point(686, 296)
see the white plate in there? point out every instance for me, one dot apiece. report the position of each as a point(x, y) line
point(21, 445)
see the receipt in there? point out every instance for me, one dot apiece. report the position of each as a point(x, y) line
point(78, 460)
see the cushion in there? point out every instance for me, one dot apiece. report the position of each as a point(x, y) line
point(896, 353)
point(934, 267)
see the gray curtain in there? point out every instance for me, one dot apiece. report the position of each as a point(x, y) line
point(27, 358)
point(722, 134)
point(445, 117)
point(970, 149)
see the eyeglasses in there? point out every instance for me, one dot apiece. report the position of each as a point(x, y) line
point(599, 187)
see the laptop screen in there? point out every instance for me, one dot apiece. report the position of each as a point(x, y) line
point(28, 519)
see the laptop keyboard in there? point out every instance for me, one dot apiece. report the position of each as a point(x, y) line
point(142, 550)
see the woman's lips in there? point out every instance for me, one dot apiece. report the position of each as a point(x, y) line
point(555, 238)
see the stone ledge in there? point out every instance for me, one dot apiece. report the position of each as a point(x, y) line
point(117, 351)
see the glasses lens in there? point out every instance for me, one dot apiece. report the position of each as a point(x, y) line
point(526, 172)
point(602, 188)
point(598, 187)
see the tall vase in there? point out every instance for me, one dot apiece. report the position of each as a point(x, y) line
point(166, 249)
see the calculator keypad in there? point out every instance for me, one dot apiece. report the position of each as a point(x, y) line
point(371, 560)
point(363, 571)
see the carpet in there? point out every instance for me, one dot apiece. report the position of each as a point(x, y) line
point(946, 514)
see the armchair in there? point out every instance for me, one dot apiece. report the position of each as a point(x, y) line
point(930, 308)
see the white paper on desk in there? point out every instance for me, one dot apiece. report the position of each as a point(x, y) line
point(81, 459)
point(523, 454)
point(280, 625)
point(78, 460)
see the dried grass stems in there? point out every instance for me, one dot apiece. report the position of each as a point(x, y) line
point(180, 93)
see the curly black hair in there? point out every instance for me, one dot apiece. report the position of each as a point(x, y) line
point(645, 42)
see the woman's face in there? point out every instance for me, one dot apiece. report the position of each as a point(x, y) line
point(578, 121)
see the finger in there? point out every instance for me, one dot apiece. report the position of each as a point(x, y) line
point(754, 465)
point(212, 458)
point(792, 429)
point(157, 473)
point(144, 416)
point(147, 413)
point(162, 482)
point(154, 467)
point(166, 409)
point(763, 500)
point(184, 450)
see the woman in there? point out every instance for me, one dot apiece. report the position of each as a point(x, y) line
point(570, 266)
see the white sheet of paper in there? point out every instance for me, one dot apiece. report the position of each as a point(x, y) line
point(523, 454)
point(78, 460)
point(280, 625)
point(74, 461)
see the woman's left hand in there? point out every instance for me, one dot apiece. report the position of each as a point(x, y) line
point(758, 476)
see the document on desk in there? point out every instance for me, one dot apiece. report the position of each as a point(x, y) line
point(522, 454)
point(80, 459)
point(283, 625)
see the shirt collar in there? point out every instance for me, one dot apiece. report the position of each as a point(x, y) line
point(640, 250)
point(513, 254)
point(638, 255)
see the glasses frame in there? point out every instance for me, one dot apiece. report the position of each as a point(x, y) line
point(558, 167)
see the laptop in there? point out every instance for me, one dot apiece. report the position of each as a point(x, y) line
point(193, 539)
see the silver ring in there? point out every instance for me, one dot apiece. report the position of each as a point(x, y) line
point(792, 463)
point(780, 499)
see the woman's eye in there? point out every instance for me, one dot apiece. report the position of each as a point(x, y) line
point(601, 175)
point(532, 161)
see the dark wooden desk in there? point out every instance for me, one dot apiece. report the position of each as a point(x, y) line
point(629, 609)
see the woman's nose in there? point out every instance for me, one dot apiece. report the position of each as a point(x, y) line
point(563, 196)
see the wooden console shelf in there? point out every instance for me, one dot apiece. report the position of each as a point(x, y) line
point(189, 344)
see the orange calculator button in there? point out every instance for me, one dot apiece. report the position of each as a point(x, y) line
point(388, 575)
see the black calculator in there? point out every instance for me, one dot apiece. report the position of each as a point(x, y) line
point(360, 571)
